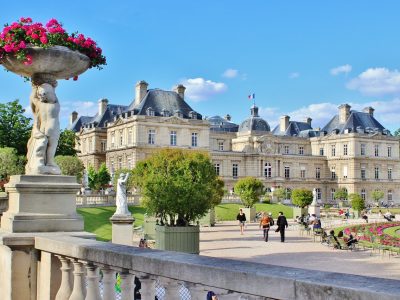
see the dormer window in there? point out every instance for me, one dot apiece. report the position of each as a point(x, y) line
point(165, 113)
point(193, 115)
point(178, 114)
point(150, 112)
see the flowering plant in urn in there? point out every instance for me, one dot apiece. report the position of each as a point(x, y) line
point(45, 54)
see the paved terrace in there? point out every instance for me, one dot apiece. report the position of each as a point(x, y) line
point(224, 240)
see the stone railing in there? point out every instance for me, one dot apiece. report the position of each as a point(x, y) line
point(75, 268)
point(104, 200)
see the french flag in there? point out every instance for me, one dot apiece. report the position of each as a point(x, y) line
point(251, 96)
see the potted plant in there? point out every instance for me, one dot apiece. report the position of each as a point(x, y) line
point(249, 189)
point(357, 203)
point(301, 198)
point(178, 187)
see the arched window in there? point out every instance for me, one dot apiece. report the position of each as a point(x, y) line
point(267, 170)
point(363, 194)
point(389, 195)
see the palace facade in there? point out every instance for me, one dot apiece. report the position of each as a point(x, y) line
point(353, 151)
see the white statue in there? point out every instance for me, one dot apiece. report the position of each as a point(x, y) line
point(85, 179)
point(42, 144)
point(314, 202)
point(121, 199)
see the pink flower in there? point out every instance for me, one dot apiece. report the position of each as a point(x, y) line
point(43, 39)
point(22, 45)
point(28, 60)
point(34, 36)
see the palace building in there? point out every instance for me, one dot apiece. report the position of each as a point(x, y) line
point(353, 151)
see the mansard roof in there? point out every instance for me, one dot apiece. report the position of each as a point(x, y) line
point(220, 124)
point(295, 128)
point(356, 122)
point(254, 122)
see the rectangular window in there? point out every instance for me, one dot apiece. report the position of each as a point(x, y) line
point(103, 146)
point(287, 172)
point(112, 166)
point(152, 136)
point(376, 172)
point(333, 173)
point(172, 138)
point(194, 139)
point(120, 163)
point(235, 170)
point(345, 149)
point(389, 150)
point(129, 163)
point(363, 173)
point(318, 173)
point(363, 194)
point(376, 150)
point(390, 173)
point(321, 151)
point(90, 144)
point(121, 137)
point(303, 173)
point(333, 194)
point(221, 145)
point(286, 149)
point(301, 150)
point(363, 149)
point(267, 170)
point(333, 150)
point(344, 171)
point(112, 140)
point(217, 169)
point(130, 136)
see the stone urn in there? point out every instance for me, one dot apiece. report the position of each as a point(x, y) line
point(48, 65)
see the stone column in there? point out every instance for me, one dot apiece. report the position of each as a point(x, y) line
point(122, 229)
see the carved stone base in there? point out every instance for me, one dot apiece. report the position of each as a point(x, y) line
point(122, 229)
point(40, 203)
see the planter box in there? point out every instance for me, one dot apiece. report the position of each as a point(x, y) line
point(180, 239)
point(297, 211)
point(149, 227)
point(208, 219)
point(250, 213)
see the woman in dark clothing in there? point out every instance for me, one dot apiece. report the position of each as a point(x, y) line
point(241, 217)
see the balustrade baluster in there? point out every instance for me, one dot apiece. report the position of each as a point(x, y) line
point(148, 288)
point(127, 286)
point(171, 289)
point(79, 290)
point(65, 290)
point(108, 283)
point(93, 290)
point(197, 292)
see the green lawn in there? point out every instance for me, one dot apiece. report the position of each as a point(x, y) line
point(383, 210)
point(97, 219)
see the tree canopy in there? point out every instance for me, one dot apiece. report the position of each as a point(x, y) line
point(178, 185)
point(357, 202)
point(70, 165)
point(15, 127)
point(341, 194)
point(280, 194)
point(98, 179)
point(249, 189)
point(302, 197)
point(11, 163)
point(66, 143)
point(377, 195)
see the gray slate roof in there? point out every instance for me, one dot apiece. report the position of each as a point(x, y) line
point(296, 128)
point(220, 124)
point(254, 122)
point(356, 122)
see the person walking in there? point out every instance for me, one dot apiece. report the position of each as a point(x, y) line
point(282, 225)
point(241, 217)
point(265, 224)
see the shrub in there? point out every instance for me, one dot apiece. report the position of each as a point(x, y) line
point(302, 197)
point(249, 190)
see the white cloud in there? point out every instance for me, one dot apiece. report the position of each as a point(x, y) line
point(294, 75)
point(83, 108)
point(376, 82)
point(198, 89)
point(341, 69)
point(230, 73)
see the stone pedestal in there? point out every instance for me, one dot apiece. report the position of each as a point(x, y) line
point(122, 229)
point(314, 209)
point(41, 203)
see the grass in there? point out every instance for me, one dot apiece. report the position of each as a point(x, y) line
point(383, 210)
point(393, 231)
point(97, 219)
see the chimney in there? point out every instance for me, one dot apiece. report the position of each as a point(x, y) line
point(344, 113)
point(180, 90)
point(369, 110)
point(284, 123)
point(228, 117)
point(140, 91)
point(308, 121)
point(73, 117)
point(102, 106)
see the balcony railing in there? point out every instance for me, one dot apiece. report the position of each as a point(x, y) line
point(87, 270)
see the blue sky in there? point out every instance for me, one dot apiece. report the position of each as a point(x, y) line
point(301, 58)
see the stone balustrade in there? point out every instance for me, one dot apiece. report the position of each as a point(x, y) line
point(86, 269)
point(104, 200)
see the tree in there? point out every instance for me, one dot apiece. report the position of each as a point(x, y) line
point(98, 179)
point(178, 185)
point(377, 195)
point(249, 190)
point(341, 194)
point(71, 166)
point(357, 202)
point(66, 143)
point(15, 128)
point(10, 163)
point(302, 197)
point(280, 194)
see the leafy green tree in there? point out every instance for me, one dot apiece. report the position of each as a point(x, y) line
point(70, 165)
point(249, 189)
point(10, 163)
point(341, 194)
point(66, 143)
point(302, 197)
point(280, 194)
point(15, 128)
point(377, 195)
point(178, 185)
point(357, 202)
point(98, 179)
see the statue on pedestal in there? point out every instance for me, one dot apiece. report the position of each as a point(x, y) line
point(121, 198)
